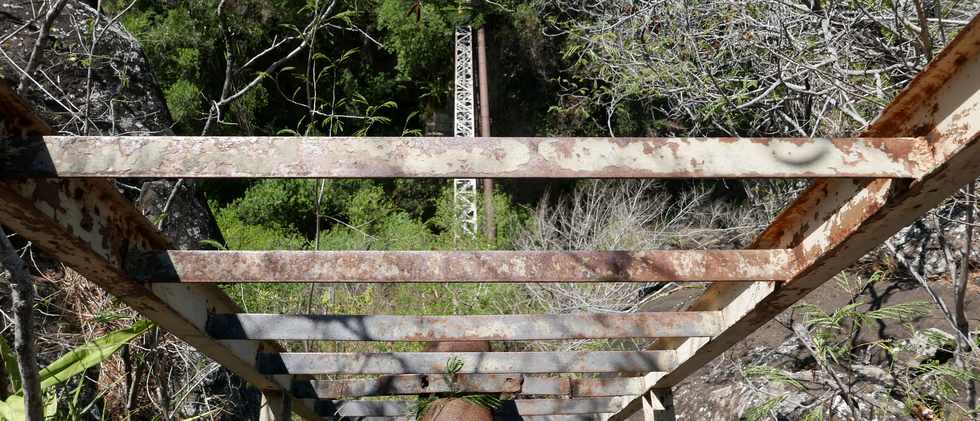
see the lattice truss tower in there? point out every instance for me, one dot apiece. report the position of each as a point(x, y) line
point(464, 189)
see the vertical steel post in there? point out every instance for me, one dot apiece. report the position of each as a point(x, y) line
point(489, 227)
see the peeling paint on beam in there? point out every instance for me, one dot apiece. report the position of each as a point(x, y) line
point(942, 103)
point(504, 327)
point(473, 362)
point(446, 157)
point(462, 266)
point(408, 384)
point(496, 417)
point(418, 384)
point(586, 387)
point(88, 226)
point(521, 407)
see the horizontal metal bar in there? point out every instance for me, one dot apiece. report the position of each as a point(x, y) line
point(189, 266)
point(941, 103)
point(580, 388)
point(447, 157)
point(506, 327)
point(89, 226)
point(522, 407)
point(473, 362)
point(418, 384)
point(408, 384)
point(496, 417)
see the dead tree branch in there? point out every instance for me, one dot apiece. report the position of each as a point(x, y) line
point(42, 39)
point(12, 270)
point(803, 335)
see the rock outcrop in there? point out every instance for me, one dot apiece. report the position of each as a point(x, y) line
point(111, 90)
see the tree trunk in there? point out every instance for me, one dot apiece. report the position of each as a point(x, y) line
point(966, 348)
point(22, 295)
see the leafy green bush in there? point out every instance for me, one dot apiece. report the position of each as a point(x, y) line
point(183, 100)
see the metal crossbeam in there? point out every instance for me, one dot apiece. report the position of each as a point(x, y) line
point(521, 407)
point(501, 327)
point(928, 136)
point(189, 266)
point(438, 157)
point(409, 384)
point(941, 103)
point(89, 226)
point(496, 417)
point(417, 384)
point(473, 362)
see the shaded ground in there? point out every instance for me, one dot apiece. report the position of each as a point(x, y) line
point(709, 393)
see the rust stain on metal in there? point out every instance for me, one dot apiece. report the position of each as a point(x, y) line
point(462, 266)
point(474, 328)
point(237, 157)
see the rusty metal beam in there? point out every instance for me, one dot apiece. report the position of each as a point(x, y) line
point(408, 384)
point(496, 417)
point(584, 387)
point(521, 407)
point(503, 327)
point(442, 157)
point(473, 362)
point(89, 226)
point(418, 384)
point(190, 266)
point(942, 104)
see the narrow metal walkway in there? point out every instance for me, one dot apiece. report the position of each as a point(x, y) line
point(920, 150)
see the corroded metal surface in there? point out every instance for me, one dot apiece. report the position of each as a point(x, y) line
point(588, 387)
point(417, 384)
point(496, 417)
point(473, 362)
point(508, 407)
point(89, 226)
point(503, 327)
point(409, 384)
point(443, 157)
point(19, 120)
point(462, 266)
point(943, 103)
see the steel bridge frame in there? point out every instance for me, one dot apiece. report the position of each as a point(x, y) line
point(922, 148)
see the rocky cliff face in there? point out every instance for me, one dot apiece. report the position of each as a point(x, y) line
point(106, 90)
point(80, 90)
point(110, 90)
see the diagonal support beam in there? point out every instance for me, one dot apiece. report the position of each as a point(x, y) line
point(503, 327)
point(194, 266)
point(473, 362)
point(943, 104)
point(87, 225)
point(446, 157)
point(90, 227)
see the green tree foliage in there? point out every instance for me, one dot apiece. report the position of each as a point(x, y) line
point(416, 42)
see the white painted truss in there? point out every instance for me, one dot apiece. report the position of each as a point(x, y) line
point(464, 189)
